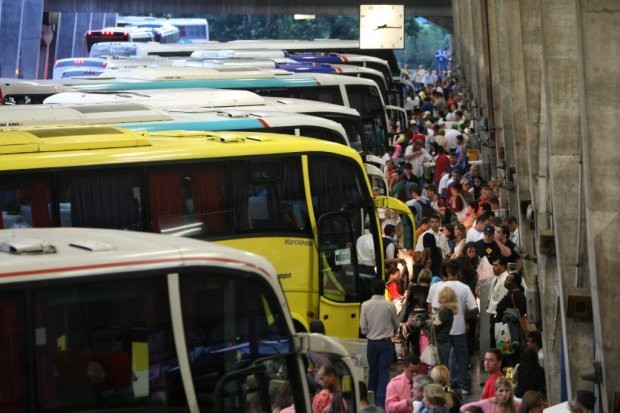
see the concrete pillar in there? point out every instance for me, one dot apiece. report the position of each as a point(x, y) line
point(30, 37)
point(9, 29)
point(598, 85)
point(65, 33)
point(560, 57)
point(538, 174)
point(496, 132)
point(517, 174)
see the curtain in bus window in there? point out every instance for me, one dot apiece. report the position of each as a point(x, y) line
point(209, 198)
point(45, 348)
point(105, 200)
point(241, 196)
point(11, 359)
point(39, 204)
point(165, 199)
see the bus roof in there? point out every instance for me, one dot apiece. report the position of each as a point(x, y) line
point(30, 254)
point(200, 98)
point(76, 146)
point(164, 97)
point(170, 78)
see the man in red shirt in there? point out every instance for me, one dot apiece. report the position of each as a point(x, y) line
point(493, 366)
point(442, 161)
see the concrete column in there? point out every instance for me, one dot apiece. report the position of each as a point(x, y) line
point(30, 37)
point(9, 29)
point(65, 33)
point(560, 57)
point(505, 140)
point(598, 85)
point(496, 125)
point(517, 173)
point(538, 174)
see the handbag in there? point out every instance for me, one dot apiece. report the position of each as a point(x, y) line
point(430, 355)
point(503, 338)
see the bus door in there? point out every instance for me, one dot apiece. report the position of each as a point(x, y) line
point(340, 287)
point(394, 211)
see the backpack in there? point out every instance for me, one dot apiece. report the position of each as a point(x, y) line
point(387, 241)
point(427, 209)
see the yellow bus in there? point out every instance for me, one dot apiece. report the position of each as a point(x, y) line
point(301, 203)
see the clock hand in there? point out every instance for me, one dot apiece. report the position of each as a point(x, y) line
point(385, 26)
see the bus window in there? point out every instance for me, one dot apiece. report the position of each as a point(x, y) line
point(338, 234)
point(189, 201)
point(239, 330)
point(326, 94)
point(100, 200)
point(100, 345)
point(24, 203)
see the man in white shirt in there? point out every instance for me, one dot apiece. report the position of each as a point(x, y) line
point(475, 233)
point(498, 291)
point(459, 354)
point(378, 322)
point(416, 155)
point(451, 135)
point(440, 238)
point(366, 258)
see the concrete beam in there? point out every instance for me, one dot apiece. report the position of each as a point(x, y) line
point(427, 8)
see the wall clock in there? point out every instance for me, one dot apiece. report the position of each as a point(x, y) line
point(382, 26)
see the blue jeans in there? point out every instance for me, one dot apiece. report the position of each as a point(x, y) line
point(459, 359)
point(444, 352)
point(380, 354)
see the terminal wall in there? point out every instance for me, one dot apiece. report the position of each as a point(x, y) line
point(552, 67)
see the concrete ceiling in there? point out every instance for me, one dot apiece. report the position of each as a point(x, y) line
point(440, 9)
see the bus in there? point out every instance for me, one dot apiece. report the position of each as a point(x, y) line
point(82, 66)
point(141, 117)
point(190, 28)
point(361, 94)
point(200, 100)
point(201, 110)
point(301, 203)
point(118, 34)
point(100, 319)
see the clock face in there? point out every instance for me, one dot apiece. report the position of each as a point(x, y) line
point(382, 26)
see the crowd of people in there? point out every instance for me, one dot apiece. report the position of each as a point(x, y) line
point(464, 239)
point(425, 314)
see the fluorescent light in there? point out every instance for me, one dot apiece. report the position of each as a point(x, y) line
point(304, 16)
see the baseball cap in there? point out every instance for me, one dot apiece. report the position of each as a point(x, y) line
point(489, 230)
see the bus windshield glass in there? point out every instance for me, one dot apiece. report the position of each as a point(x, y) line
point(100, 346)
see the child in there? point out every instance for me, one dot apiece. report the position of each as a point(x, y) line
point(442, 323)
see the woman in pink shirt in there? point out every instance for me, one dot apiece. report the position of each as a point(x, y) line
point(503, 402)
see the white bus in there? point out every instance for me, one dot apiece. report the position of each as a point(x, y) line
point(98, 320)
point(190, 28)
point(140, 117)
point(200, 100)
point(118, 34)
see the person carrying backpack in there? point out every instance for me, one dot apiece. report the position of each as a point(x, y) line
point(419, 205)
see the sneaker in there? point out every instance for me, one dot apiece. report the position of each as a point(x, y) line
point(465, 392)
